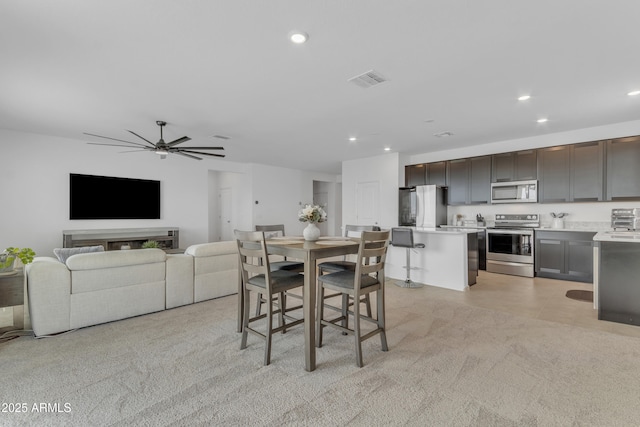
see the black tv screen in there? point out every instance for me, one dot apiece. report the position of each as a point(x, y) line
point(108, 197)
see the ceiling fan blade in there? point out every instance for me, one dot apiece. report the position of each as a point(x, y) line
point(198, 152)
point(186, 155)
point(201, 148)
point(178, 141)
point(119, 145)
point(144, 139)
point(114, 139)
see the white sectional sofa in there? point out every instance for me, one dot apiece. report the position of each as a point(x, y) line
point(94, 288)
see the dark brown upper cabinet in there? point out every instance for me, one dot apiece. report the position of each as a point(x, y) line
point(514, 166)
point(469, 181)
point(437, 173)
point(623, 169)
point(415, 175)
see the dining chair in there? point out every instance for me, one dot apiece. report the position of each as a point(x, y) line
point(345, 264)
point(260, 278)
point(277, 230)
point(367, 277)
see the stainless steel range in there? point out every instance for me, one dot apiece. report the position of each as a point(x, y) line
point(510, 244)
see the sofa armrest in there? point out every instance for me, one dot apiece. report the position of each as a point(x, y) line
point(49, 293)
point(179, 280)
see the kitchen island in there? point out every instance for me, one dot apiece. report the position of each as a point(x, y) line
point(448, 260)
point(616, 270)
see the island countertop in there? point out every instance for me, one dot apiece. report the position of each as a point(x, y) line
point(618, 236)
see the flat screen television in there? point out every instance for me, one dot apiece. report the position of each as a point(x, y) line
point(109, 197)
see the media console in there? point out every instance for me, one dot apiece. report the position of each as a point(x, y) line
point(121, 238)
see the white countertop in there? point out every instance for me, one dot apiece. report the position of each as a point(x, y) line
point(618, 236)
point(574, 229)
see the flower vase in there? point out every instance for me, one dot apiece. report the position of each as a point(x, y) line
point(7, 261)
point(311, 232)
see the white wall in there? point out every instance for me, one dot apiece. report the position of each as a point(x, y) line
point(282, 192)
point(34, 205)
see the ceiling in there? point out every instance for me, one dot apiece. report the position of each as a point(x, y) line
point(226, 67)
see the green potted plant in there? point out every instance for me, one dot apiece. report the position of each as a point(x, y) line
point(8, 257)
point(150, 244)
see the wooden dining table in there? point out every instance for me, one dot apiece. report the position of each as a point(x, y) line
point(309, 253)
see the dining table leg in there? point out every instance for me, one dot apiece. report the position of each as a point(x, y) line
point(309, 310)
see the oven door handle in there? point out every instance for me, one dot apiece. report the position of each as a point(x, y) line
point(522, 232)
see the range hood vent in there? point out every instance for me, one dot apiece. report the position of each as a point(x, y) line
point(368, 79)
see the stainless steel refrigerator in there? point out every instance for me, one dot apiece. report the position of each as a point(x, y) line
point(422, 206)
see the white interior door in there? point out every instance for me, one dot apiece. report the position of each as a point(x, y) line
point(368, 203)
point(226, 218)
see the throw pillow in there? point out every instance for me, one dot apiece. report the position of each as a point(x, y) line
point(63, 253)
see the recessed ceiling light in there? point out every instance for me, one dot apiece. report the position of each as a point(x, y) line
point(353, 138)
point(524, 97)
point(387, 149)
point(634, 93)
point(543, 120)
point(298, 37)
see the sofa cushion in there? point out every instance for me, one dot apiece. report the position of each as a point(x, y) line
point(212, 249)
point(93, 261)
point(63, 253)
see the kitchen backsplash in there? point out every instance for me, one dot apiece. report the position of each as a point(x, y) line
point(579, 215)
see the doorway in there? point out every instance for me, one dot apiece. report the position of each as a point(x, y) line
point(368, 203)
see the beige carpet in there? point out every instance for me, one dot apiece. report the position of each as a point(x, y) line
point(448, 364)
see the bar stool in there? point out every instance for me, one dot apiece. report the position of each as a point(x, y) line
point(403, 238)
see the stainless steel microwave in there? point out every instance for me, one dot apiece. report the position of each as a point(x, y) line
point(514, 192)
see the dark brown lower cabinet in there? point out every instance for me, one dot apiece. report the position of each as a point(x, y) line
point(564, 255)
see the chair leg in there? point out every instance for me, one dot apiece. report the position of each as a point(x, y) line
point(367, 302)
point(381, 319)
point(259, 305)
point(319, 315)
point(283, 306)
point(245, 319)
point(269, 333)
point(345, 311)
point(356, 330)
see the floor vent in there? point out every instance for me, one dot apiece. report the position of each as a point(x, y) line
point(368, 79)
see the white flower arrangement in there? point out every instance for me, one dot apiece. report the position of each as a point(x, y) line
point(312, 213)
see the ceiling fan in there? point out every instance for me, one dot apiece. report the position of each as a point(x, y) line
point(162, 148)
